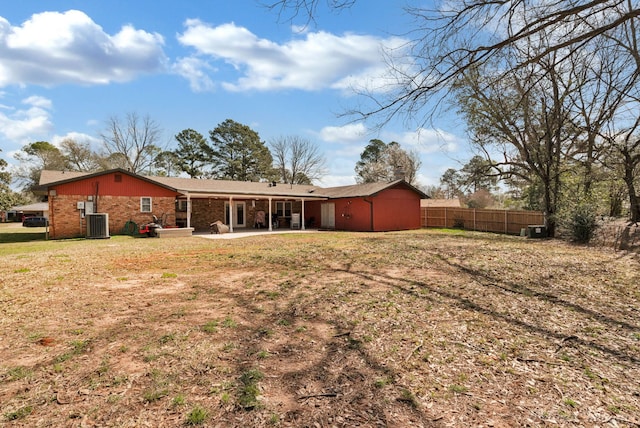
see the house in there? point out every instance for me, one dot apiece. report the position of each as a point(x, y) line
point(196, 203)
point(18, 213)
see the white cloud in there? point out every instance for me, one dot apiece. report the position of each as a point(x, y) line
point(424, 141)
point(78, 137)
point(195, 71)
point(337, 180)
point(37, 101)
point(54, 48)
point(314, 61)
point(352, 133)
point(27, 124)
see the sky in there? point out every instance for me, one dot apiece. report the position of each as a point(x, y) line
point(67, 67)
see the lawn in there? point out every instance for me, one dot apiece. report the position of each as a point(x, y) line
point(418, 328)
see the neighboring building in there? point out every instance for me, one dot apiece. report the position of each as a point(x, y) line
point(441, 203)
point(18, 213)
point(196, 203)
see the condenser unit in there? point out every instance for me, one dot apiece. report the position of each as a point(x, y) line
point(97, 226)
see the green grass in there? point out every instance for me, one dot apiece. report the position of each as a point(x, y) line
point(19, 372)
point(21, 235)
point(21, 413)
point(210, 327)
point(197, 416)
point(249, 391)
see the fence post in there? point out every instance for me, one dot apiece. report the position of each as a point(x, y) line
point(506, 223)
point(474, 220)
point(445, 217)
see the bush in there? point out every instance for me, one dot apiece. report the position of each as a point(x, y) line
point(581, 223)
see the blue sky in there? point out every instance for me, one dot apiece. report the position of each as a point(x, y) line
point(66, 67)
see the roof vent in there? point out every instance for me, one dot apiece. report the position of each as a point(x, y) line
point(273, 184)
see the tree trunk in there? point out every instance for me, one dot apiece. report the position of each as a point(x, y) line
point(634, 199)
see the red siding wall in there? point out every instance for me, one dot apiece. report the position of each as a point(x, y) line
point(353, 214)
point(397, 209)
point(392, 209)
point(108, 185)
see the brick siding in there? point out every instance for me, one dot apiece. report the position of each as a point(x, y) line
point(66, 221)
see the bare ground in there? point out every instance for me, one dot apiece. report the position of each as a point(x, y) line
point(423, 328)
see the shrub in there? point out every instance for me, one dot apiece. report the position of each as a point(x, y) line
point(581, 223)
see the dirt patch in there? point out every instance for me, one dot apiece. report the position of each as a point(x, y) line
point(374, 330)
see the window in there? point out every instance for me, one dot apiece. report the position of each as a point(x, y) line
point(181, 205)
point(283, 209)
point(145, 204)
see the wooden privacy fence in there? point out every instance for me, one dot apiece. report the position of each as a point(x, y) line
point(498, 221)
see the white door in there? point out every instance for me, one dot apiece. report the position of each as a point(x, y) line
point(239, 214)
point(328, 216)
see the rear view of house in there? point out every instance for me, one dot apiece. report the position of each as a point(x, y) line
point(125, 198)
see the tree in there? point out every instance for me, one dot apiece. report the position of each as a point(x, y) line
point(477, 175)
point(523, 121)
point(166, 164)
point(79, 156)
point(193, 153)
point(450, 182)
point(625, 158)
point(133, 143)
point(451, 38)
point(238, 153)
point(34, 158)
point(371, 167)
point(298, 161)
point(8, 198)
point(385, 162)
point(402, 163)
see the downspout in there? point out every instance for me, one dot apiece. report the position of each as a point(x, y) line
point(302, 219)
point(371, 211)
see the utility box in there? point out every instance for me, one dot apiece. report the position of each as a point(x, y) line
point(295, 221)
point(537, 231)
point(97, 226)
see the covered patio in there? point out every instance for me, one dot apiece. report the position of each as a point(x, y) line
point(240, 204)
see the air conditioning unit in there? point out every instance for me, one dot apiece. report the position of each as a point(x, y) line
point(97, 226)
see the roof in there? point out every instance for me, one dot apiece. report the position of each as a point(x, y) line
point(246, 188)
point(440, 203)
point(39, 206)
point(205, 187)
point(367, 189)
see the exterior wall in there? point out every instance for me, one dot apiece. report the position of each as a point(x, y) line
point(66, 221)
point(116, 194)
point(392, 209)
point(114, 184)
point(353, 214)
point(397, 209)
point(207, 210)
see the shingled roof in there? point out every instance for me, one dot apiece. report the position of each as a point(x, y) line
point(205, 187)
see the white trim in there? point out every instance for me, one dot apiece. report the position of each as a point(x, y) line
point(142, 205)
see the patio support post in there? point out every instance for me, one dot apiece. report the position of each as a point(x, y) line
point(231, 214)
point(270, 217)
point(302, 219)
point(188, 210)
